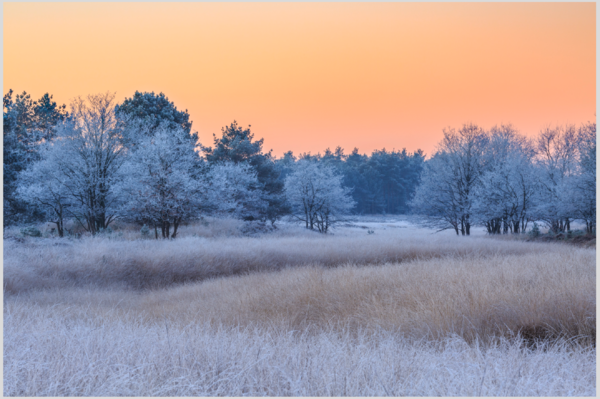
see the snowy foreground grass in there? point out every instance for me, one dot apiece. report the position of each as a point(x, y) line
point(398, 312)
point(55, 352)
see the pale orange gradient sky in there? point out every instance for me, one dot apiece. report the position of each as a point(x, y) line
point(308, 76)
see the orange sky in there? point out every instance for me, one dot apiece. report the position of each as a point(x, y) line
point(308, 76)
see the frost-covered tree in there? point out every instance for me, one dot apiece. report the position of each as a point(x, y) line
point(556, 162)
point(48, 115)
point(438, 197)
point(317, 196)
point(234, 190)
point(27, 124)
point(145, 112)
point(86, 156)
point(164, 186)
point(158, 186)
point(383, 182)
point(446, 193)
point(15, 160)
point(504, 197)
point(237, 145)
point(43, 184)
point(33, 122)
point(577, 195)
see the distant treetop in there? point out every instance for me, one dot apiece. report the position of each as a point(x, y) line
point(236, 145)
point(156, 108)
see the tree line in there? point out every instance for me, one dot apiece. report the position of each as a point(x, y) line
point(140, 162)
point(503, 180)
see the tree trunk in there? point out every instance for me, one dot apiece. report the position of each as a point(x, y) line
point(590, 227)
point(92, 225)
point(306, 215)
point(59, 227)
point(515, 227)
point(175, 225)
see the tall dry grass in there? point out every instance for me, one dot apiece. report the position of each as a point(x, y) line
point(400, 312)
point(61, 352)
point(542, 296)
point(100, 261)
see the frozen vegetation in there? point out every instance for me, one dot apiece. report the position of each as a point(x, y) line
point(401, 311)
point(138, 261)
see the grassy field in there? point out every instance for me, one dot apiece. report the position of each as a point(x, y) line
point(401, 311)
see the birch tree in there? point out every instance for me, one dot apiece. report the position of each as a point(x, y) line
point(92, 152)
point(317, 196)
point(447, 189)
point(82, 164)
point(556, 162)
point(505, 195)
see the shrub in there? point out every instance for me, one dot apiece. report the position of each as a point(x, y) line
point(31, 232)
point(535, 230)
point(255, 227)
point(145, 232)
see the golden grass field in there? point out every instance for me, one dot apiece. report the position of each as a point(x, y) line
point(402, 311)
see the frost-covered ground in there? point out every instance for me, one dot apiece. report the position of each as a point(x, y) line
point(55, 352)
point(400, 311)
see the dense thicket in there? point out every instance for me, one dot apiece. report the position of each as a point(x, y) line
point(137, 162)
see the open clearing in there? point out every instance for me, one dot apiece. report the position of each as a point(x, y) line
point(401, 311)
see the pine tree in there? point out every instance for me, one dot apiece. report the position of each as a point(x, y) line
point(237, 145)
point(27, 124)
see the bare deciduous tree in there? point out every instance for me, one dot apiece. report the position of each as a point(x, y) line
point(450, 180)
point(578, 192)
point(556, 162)
point(83, 163)
point(317, 196)
point(504, 198)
